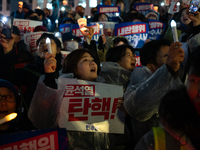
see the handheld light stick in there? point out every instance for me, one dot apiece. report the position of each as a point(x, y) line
point(48, 42)
point(56, 23)
point(8, 118)
point(174, 31)
point(101, 27)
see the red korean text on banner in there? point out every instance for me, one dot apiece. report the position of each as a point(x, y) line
point(132, 29)
point(45, 141)
point(79, 91)
point(99, 107)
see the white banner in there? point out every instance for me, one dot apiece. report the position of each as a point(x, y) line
point(90, 106)
point(173, 8)
point(30, 40)
point(108, 28)
point(26, 26)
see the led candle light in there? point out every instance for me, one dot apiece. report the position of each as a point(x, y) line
point(174, 31)
point(56, 23)
point(82, 22)
point(8, 118)
point(48, 42)
point(101, 27)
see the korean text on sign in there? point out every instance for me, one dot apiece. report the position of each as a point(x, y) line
point(45, 141)
point(89, 106)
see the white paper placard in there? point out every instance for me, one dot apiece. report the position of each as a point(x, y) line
point(90, 106)
point(26, 26)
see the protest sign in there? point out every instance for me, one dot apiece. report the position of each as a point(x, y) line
point(64, 28)
point(135, 32)
point(168, 2)
point(75, 29)
point(108, 28)
point(137, 57)
point(111, 11)
point(155, 29)
point(30, 40)
point(90, 106)
point(143, 8)
point(173, 8)
point(26, 26)
point(54, 139)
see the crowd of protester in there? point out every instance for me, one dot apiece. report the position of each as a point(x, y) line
point(161, 100)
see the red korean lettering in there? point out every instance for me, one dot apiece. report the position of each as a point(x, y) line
point(114, 108)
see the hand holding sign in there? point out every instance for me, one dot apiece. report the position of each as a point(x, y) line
point(50, 63)
point(175, 56)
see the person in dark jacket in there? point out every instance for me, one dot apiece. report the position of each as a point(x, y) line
point(19, 51)
point(9, 102)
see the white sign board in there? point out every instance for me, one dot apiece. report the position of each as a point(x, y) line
point(108, 28)
point(90, 106)
point(30, 40)
point(26, 26)
point(173, 8)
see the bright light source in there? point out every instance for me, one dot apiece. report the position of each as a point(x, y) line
point(57, 34)
point(101, 26)
point(117, 14)
point(56, 21)
point(38, 7)
point(49, 6)
point(89, 17)
point(4, 19)
point(173, 23)
point(62, 8)
point(162, 4)
point(178, 4)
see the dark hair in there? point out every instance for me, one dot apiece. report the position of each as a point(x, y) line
point(118, 39)
point(96, 17)
point(132, 16)
point(115, 54)
point(177, 110)
point(71, 61)
point(40, 12)
point(194, 62)
point(132, 4)
point(149, 51)
point(51, 36)
point(119, 1)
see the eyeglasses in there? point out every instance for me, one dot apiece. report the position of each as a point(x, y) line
point(9, 98)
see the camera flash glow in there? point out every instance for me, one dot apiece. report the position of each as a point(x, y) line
point(56, 21)
point(117, 14)
point(178, 4)
point(162, 4)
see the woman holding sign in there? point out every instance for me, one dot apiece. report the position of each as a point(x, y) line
point(44, 109)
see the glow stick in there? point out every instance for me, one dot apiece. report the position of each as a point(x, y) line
point(48, 42)
point(174, 31)
point(8, 118)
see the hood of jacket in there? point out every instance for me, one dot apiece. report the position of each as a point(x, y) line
point(113, 73)
point(140, 75)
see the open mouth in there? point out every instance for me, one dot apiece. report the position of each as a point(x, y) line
point(133, 64)
point(92, 70)
point(45, 50)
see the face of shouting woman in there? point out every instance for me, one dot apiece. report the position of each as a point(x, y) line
point(86, 68)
